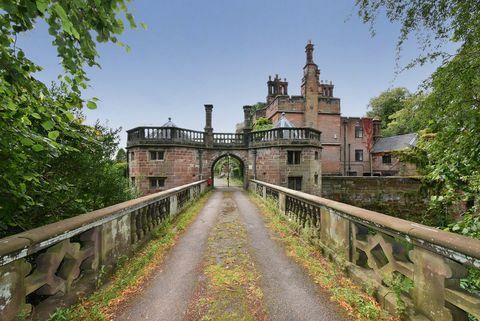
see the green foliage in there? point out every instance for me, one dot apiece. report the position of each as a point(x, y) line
point(433, 22)
point(259, 105)
point(37, 125)
point(121, 156)
point(399, 111)
point(449, 147)
point(400, 285)
point(262, 123)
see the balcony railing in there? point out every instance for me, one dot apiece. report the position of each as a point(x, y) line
point(164, 135)
point(180, 136)
point(229, 139)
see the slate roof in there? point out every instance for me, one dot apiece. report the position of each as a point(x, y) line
point(169, 123)
point(283, 122)
point(393, 143)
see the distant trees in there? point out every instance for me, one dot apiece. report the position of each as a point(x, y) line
point(399, 111)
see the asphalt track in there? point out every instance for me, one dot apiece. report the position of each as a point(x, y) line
point(289, 293)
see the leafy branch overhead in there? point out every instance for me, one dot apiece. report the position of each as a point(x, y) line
point(37, 123)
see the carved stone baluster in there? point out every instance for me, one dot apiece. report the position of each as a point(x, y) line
point(431, 273)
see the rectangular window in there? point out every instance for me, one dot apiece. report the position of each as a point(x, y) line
point(132, 180)
point(295, 183)
point(387, 159)
point(157, 155)
point(132, 156)
point(157, 182)
point(359, 155)
point(293, 157)
point(316, 155)
point(315, 179)
point(358, 132)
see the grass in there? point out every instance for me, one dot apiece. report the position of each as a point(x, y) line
point(327, 274)
point(230, 288)
point(132, 272)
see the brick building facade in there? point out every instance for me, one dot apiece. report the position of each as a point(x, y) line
point(160, 158)
point(346, 141)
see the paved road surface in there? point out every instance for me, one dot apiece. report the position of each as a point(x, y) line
point(289, 293)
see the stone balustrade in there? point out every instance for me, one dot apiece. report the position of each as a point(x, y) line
point(378, 249)
point(58, 262)
point(156, 136)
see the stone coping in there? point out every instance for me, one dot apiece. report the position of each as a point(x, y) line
point(28, 242)
point(445, 243)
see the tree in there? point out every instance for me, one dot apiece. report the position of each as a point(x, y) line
point(399, 111)
point(387, 103)
point(37, 124)
point(121, 156)
point(262, 123)
point(449, 149)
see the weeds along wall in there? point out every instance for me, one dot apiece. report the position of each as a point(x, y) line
point(46, 266)
point(415, 271)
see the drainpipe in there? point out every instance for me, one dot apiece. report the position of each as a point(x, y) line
point(344, 147)
point(254, 164)
point(349, 168)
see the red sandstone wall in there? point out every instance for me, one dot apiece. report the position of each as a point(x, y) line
point(179, 167)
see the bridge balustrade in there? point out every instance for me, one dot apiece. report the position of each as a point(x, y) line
point(285, 135)
point(229, 139)
point(387, 253)
point(39, 266)
point(181, 136)
point(164, 135)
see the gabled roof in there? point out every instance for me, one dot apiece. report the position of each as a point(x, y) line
point(394, 143)
point(169, 123)
point(283, 122)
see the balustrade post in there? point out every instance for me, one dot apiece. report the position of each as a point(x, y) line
point(335, 232)
point(12, 279)
point(264, 192)
point(431, 274)
point(282, 199)
point(173, 204)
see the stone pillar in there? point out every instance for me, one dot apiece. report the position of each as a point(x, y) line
point(173, 205)
point(247, 122)
point(254, 164)
point(200, 164)
point(282, 202)
point(208, 126)
point(431, 273)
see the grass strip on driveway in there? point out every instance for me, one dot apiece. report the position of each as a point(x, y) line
point(228, 289)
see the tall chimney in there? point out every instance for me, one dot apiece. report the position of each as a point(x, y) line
point(208, 126)
point(208, 117)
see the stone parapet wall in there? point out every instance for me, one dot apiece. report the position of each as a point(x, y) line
point(403, 197)
point(377, 249)
point(52, 264)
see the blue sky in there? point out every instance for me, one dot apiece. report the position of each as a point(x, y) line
point(222, 52)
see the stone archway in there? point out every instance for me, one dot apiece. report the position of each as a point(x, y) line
point(241, 156)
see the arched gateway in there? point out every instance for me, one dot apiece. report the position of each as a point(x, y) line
point(160, 158)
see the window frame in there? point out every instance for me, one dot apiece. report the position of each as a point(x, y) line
point(387, 156)
point(157, 181)
point(157, 153)
point(358, 132)
point(294, 157)
point(297, 182)
point(359, 152)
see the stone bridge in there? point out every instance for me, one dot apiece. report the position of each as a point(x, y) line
point(41, 268)
point(164, 157)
